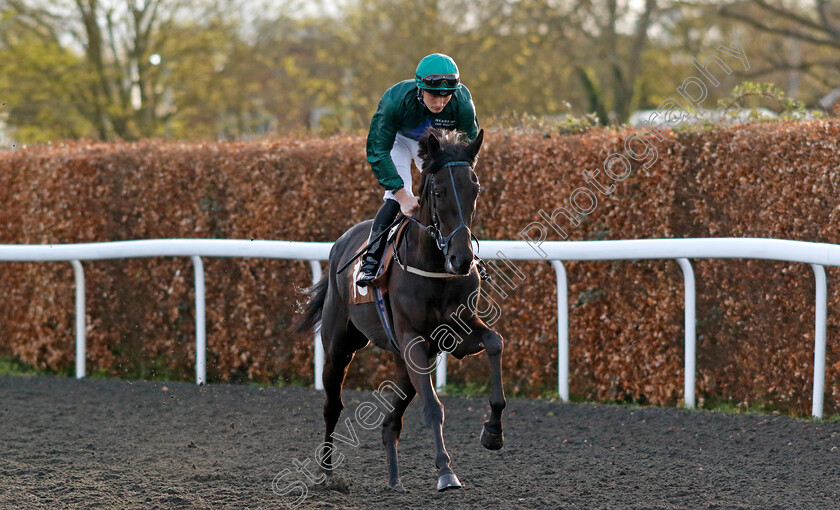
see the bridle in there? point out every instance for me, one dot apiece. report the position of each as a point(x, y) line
point(434, 229)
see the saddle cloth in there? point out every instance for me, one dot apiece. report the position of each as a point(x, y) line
point(361, 295)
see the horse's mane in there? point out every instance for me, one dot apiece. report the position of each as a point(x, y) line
point(452, 148)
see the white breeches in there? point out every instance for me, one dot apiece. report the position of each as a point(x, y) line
point(405, 149)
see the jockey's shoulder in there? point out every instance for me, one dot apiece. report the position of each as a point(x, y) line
point(401, 88)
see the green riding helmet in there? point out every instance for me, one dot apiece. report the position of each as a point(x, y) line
point(438, 74)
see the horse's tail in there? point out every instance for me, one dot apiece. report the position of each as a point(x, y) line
point(315, 297)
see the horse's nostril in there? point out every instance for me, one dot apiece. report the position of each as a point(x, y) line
point(458, 265)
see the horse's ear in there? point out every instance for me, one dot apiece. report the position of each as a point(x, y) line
point(475, 146)
point(432, 144)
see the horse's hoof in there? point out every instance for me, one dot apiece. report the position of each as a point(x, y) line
point(323, 471)
point(448, 481)
point(397, 486)
point(490, 440)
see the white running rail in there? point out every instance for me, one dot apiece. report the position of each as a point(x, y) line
point(816, 254)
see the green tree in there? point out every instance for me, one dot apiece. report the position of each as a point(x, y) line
point(115, 40)
point(46, 89)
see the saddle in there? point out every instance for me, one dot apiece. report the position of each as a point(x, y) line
point(361, 295)
point(378, 292)
point(391, 244)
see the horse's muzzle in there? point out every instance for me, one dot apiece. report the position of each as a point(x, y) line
point(460, 267)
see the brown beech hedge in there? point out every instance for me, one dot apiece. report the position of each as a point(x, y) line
point(755, 325)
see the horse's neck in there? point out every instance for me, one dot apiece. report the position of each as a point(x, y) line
point(421, 249)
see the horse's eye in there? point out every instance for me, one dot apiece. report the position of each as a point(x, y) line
point(437, 194)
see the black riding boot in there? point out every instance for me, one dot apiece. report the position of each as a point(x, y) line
point(370, 260)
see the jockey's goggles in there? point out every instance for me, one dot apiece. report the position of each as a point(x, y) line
point(437, 81)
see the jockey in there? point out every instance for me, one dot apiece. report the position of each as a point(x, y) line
point(436, 98)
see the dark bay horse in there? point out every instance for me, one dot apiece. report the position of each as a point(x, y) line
point(432, 296)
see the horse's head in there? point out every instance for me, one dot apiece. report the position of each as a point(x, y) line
point(448, 194)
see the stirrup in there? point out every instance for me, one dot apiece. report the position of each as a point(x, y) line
point(364, 281)
point(366, 278)
point(371, 260)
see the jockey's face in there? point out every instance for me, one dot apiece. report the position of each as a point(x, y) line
point(435, 103)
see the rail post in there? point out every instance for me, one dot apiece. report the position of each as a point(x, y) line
point(819, 341)
point(690, 333)
point(81, 355)
point(440, 371)
point(319, 347)
point(562, 330)
point(200, 324)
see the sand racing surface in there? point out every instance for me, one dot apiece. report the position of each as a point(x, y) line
point(67, 443)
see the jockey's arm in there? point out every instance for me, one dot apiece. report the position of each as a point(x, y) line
point(467, 120)
point(380, 141)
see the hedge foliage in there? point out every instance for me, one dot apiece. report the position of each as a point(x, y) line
point(755, 318)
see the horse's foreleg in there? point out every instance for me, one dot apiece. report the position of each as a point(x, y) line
point(482, 337)
point(392, 424)
point(491, 436)
point(420, 366)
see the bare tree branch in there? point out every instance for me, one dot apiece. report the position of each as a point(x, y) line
point(835, 31)
point(788, 14)
point(725, 11)
point(37, 17)
point(634, 62)
point(151, 22)
point(118, 64)
point(787, 66)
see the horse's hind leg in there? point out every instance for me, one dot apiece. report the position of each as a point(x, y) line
point(392, 424)
point(341, 340)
